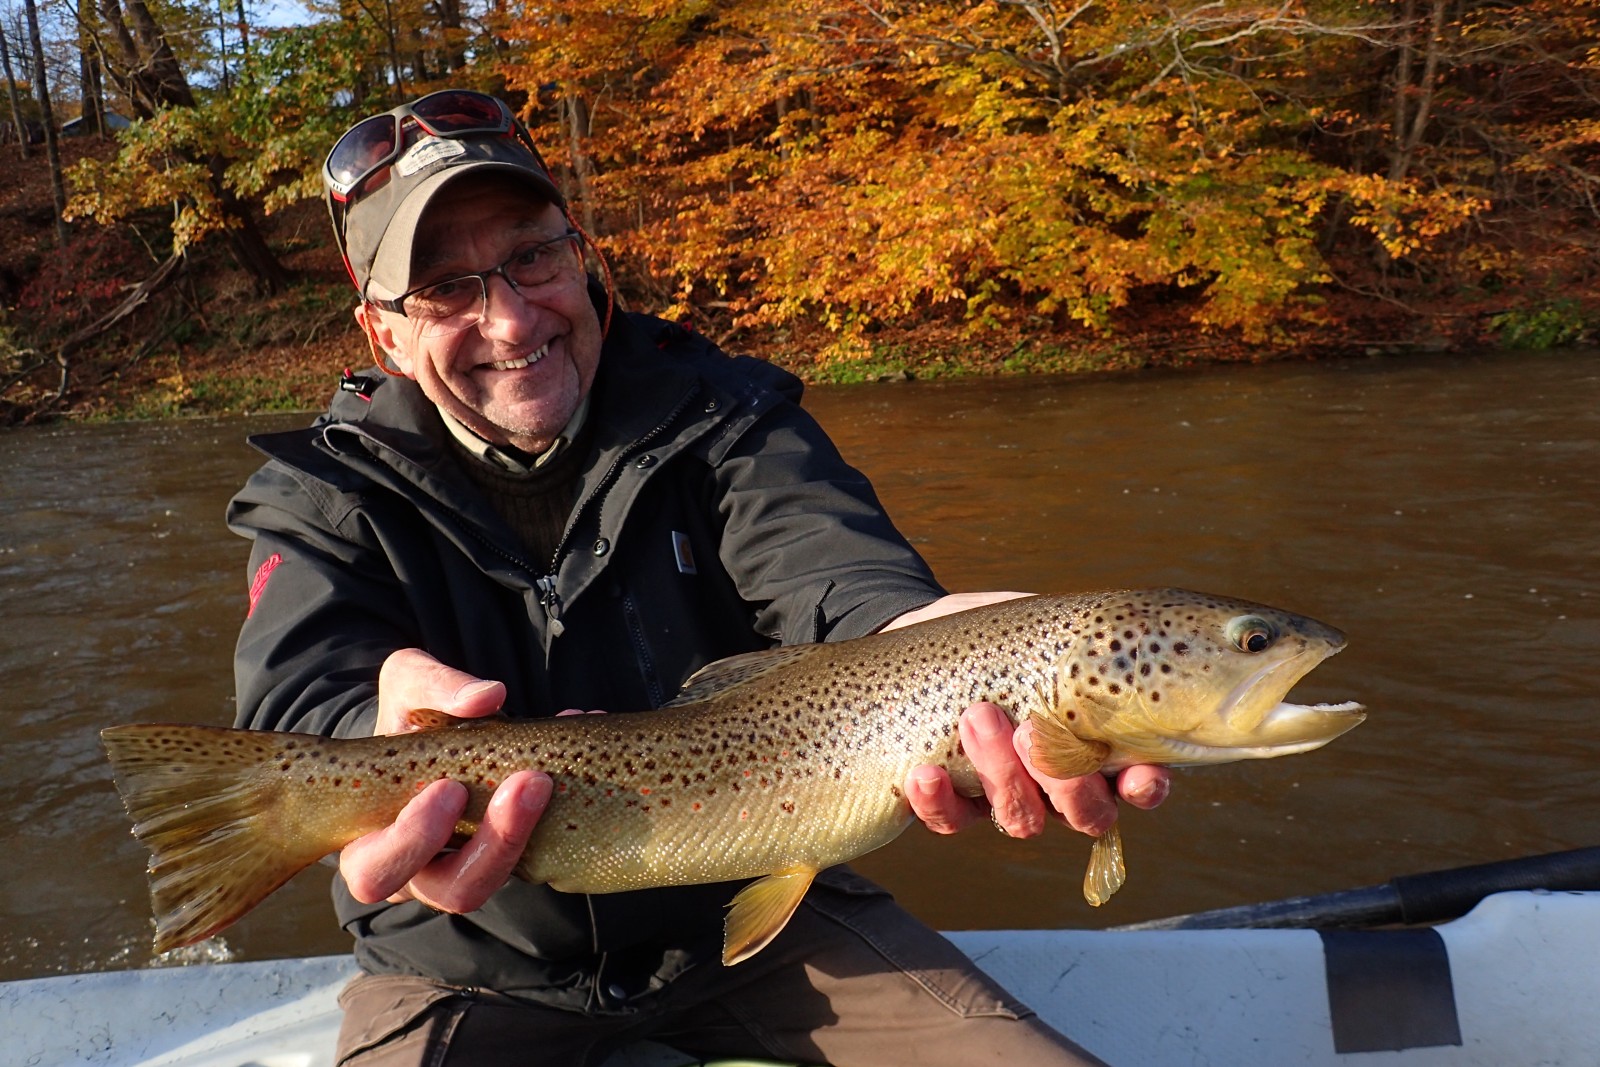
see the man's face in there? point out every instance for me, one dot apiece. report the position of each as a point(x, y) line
point(518, 375)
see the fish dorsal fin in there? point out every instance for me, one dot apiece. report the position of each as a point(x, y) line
point(761, 910)
point(429, 719)
point(725, 674)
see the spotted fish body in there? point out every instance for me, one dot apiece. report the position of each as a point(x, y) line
point(771, 765)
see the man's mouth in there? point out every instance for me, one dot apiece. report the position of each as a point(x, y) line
point(522, 361)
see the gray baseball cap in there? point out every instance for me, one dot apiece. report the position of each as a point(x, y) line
point(381, 217)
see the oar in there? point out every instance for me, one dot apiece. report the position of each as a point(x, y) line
point(1410, 898)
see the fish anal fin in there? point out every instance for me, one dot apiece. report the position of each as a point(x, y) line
point(1060, 753)
point(1106, 871)
point(761, 910)
point(725, 674)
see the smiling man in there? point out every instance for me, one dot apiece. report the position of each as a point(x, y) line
point(548, 504)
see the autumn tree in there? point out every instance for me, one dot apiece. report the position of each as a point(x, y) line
point(866, 164)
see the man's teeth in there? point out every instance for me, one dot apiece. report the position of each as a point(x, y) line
point(521, 361)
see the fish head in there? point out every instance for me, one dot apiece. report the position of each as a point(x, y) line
point(1182, 678)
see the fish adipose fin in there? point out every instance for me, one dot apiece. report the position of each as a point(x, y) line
point(725, 674)
point(1060, 753)
point(1106, 871)
point(761, 910)
point(219, 843)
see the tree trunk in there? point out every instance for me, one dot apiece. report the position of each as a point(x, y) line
point(89, 87)
point(249, 246)
point(16, 103)
point(1409, 127)
point(582, 166)
point(52, 150)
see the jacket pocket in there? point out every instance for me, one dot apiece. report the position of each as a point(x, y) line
point(393, 1013)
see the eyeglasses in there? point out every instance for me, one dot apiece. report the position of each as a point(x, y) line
point(372, 144)
point(456, 304)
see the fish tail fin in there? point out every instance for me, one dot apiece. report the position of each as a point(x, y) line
point(209, 803)
point(1106, 871)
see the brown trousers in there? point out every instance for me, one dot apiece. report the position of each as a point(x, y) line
point(852, 981)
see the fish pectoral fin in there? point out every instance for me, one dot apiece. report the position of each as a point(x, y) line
point(1060, 753)
point(734, 671)
point(1106, 871)
point(761, 910)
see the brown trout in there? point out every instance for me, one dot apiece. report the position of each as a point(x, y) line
point(771, 765)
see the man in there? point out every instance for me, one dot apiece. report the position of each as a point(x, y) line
point(553, 505)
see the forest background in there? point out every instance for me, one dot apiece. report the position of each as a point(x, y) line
point(853, 188)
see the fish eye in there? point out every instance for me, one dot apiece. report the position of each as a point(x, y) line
point(1251, 633)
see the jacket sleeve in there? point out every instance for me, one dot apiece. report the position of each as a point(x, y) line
point(806, 538)
point(325, 611)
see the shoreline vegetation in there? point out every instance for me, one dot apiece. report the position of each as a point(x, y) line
point(909, 191)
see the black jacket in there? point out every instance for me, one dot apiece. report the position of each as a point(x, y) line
point(714, 517)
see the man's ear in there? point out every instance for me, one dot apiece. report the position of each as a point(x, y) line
point(386, 349)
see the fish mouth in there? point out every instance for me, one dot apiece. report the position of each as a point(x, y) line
point(1311, 727)
point(1256, 710)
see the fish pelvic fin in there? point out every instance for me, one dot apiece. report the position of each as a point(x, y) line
point(1060, 753)
point(204, 800)
point(1106, 871)
point(761, 910)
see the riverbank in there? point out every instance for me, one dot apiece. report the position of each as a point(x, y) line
point(205, 342)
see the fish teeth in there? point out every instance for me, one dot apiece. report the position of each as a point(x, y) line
point(522, 361)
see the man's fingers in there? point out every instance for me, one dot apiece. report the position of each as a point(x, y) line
point(376, 866)
point(934, 801)
point(462, 881)
point(986, 737)
point(1088, 803)
point(412, 679)
point(1144, 786)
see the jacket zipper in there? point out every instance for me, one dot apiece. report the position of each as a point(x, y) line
point(549, 599)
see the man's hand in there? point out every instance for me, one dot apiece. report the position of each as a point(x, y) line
point(406, 860)
point(1016, 797)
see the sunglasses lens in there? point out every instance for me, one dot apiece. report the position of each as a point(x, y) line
point(367, 144)
point(452, 112)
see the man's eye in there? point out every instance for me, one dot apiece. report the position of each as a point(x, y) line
point(444, 290)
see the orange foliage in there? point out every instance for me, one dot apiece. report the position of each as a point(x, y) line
point(855, 163)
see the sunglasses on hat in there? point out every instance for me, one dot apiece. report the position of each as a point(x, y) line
point(371, 146)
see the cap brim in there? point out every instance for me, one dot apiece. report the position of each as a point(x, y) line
point(391, 260)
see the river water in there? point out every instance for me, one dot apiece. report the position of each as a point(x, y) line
point(1443, 511)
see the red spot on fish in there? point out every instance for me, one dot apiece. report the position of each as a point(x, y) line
point(695, 806)
point(258, 584)
point(644, 790)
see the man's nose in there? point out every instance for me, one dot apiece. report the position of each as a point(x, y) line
point(505, 310)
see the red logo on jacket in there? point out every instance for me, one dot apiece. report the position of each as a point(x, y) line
point(258, 584)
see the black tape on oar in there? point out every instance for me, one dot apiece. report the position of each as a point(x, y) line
point(1389, 990)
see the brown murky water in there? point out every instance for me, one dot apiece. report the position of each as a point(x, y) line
point(1444, 512)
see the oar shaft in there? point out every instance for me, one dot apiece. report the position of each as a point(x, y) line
point(1412, 898)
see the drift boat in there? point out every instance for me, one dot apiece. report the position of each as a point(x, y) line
point(1512, 982)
